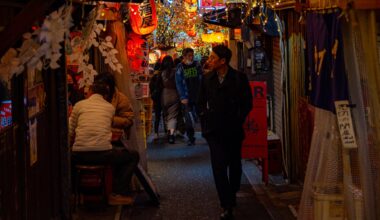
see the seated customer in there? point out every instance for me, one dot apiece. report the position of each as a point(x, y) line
point(124, 116)
point(90, 128)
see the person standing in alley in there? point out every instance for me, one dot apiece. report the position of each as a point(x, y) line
point(155, 88)
point(224, 101)
point(187, 77)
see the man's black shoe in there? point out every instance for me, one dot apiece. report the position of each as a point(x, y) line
point(227, 214)
point(171, 139)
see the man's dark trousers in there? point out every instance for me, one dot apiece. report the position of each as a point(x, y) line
point(188, 112)
point(225, 155)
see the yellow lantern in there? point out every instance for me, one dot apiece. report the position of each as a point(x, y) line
point(205, 38)
point(218, 37)
point(215, 37)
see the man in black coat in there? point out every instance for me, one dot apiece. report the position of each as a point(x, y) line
point(224, 101)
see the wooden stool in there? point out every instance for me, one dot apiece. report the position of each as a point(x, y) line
point(91, 184)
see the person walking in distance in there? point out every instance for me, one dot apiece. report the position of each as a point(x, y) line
point(155, 88)
point(170, 98)
point(225, 99)
point(187, 77)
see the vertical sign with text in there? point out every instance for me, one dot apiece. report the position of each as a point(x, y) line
point(255, 144)
point(345, 125)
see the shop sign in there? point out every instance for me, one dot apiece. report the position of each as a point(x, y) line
point(212, 3)
point(345, 125)
point(6, 113)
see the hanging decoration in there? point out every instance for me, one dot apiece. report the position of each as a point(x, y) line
point(137, 51)
point(143, 17)
point(191, 7)
point(91, 37)
point(192, 32)
point(40, 49)
point(177, 25)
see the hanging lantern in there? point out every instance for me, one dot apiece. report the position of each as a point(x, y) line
point(206, 38)
point(191, 1)
point(218, 37)
point(143, 17)
point(191, 33)
point(191, 7)
point(214, 3)
point(215, 37)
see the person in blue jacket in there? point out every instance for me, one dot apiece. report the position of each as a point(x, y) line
point(188, 76)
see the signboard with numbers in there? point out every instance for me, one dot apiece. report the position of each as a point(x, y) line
point(345, 125)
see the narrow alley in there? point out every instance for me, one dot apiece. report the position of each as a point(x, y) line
point(276, 102)
point(184, 179)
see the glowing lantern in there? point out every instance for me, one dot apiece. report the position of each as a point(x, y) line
point(218, 3)
point(143, 17)
point(218, 37)
point(205, 38)
point(191, 1)
point(191, 33)
point(215, 37)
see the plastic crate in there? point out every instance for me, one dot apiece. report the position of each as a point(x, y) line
point(328, 206)
point(331, 206)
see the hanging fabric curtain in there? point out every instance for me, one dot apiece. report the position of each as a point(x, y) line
point(328, 83)
point(143, 17)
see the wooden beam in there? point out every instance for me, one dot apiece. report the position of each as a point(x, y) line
point(367, 4)
point(12, 4)
point(22, 23)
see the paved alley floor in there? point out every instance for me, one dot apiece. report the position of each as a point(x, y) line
point(184, 180)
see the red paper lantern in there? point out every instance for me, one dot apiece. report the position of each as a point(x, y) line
point(143, 17)
point(192, 32)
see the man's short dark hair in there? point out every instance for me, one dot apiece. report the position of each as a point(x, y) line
point(223, 52)
point(101, 88)
point(108, 79)
point(186, 51)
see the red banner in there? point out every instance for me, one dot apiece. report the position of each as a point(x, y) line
point(255, 144)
